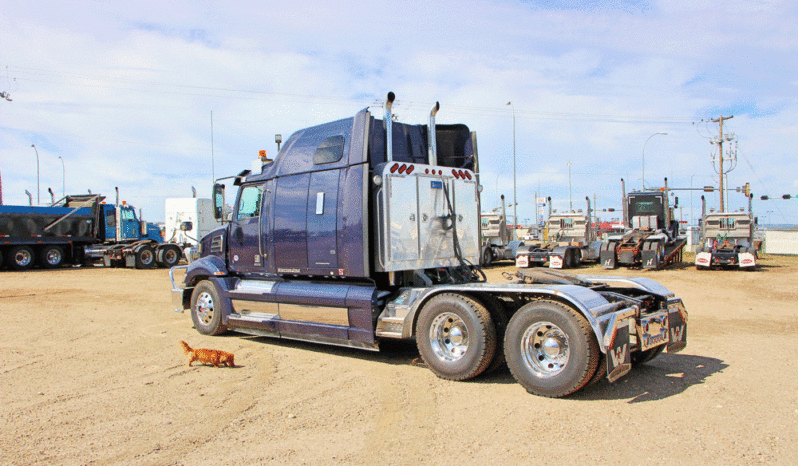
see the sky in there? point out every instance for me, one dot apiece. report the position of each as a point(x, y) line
point(158, 97)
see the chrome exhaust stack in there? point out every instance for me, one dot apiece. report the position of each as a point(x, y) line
point(431, 142)
point(388, 122)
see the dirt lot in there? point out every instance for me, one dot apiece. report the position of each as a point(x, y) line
point(92, 373)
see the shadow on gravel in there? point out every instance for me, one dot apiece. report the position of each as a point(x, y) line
point(666, 376)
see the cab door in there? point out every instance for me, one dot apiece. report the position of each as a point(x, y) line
point(244, 252)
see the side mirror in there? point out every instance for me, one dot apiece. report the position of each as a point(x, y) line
point(218, 201)
point(186, 226)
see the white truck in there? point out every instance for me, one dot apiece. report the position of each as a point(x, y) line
point(497, 244)
point(188, 219)
point(571, 241)
point(726, 240)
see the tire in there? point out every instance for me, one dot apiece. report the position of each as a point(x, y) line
point(205, 309)
point(550, 349)
point(145, 257)
point(169, 256)
point(51, 257)
point(1, 260)
point(499, 315)
point(487, 257)
point(21, 258)
point(643, 357)
point(601, 371)
point(574, 259)
point(456, 336)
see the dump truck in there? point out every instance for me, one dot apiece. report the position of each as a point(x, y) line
point(727, 240)
point(570, 242)
point(81, 229)
point(652, 239)
point(364, 230)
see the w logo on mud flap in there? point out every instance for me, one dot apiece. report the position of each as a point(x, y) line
point(677, 333)
point(618, 355)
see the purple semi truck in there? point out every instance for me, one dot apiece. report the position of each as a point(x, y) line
point(363, 230)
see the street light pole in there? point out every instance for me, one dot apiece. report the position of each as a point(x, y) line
point(643, 174)
point(38, 200)
point(570, 203)
point(515, 200)
point(63, 177)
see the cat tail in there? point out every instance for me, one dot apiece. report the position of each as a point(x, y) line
point(186, 348)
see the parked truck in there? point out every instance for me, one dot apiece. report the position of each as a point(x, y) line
point(364, 230)
point(187, 220)
point(727, 240)
point(497, 245)
point(652, 238)
point(570, 241)
point(79, 230)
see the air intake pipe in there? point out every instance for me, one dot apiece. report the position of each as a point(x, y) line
point(431, 142)
point(389, 127)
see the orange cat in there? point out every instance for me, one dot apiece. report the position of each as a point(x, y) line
point(209, 356)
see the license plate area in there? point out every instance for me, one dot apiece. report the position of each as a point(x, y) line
point(652, 330)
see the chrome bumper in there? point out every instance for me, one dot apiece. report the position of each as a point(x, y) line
point(177, 291)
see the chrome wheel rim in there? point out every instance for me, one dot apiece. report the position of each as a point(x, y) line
point(146, 257)
point(170, 256)
point(204, 308)
point(545, 349)
point(23, 258)
point(53, 257)
point(448, 337)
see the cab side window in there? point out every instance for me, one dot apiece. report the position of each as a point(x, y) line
point(249, 202)
point(330, 150)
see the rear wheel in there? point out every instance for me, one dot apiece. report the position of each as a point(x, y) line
point(550, 349)
point(456, 336)
point(205, 309)
point(20, 258)
point(51, 257)
point(643, 357)
point(168, 256)
point(145, 257)
point(487, 257)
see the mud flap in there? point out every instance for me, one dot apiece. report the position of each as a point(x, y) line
point(522, 261)
point(555, 262)
point(677, 328)
point(607, 258)
point(650, 259)
point(619, 358)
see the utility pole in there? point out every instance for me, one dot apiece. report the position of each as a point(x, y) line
point(719, 142)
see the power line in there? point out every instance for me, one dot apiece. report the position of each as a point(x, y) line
point(305, 98)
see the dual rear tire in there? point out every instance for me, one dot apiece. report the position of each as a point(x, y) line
point(550, 348)
point(24, 257)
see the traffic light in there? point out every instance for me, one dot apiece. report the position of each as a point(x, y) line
point(764, 198)
point(747, 189)
point(786, 196)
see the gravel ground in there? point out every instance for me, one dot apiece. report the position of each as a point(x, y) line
point(92, 373)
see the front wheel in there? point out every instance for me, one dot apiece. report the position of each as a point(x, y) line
point(456, 336)
point(205, 309)
point(550, 349)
